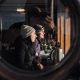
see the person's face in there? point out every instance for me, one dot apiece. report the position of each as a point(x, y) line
point(33, 36)
point(41, 34)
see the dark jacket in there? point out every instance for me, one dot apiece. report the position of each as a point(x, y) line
point(25, 53)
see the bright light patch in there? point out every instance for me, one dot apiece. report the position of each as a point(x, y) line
point(20, 10)
point(79, 1)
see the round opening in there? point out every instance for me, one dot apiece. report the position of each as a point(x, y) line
point(57, 46)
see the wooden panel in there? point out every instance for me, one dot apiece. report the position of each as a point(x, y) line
point(64, 40)
point(62, 33)
point(59, 29)
point(67, 37)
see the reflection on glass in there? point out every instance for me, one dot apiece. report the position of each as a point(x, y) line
point(47, 13)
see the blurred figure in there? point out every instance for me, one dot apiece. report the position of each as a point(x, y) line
point(14, 32)
point(24, 47)
point(38, 45)
point(50, 28)
point(37, 16)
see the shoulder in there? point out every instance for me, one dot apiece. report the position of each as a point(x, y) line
point(20, 41)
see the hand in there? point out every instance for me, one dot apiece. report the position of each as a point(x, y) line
point(40, 66)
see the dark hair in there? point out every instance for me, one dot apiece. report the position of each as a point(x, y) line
point(37, 12)
point(38, 27)
point(34, 11)
point(16, 25)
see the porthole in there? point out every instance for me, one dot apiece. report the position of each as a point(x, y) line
point(65, 15)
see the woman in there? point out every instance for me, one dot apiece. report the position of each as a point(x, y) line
point(38, 45)
point(24, 47)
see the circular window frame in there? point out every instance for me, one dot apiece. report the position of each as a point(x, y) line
point(56, 72)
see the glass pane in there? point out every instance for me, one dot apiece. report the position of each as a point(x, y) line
point(56, 21)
